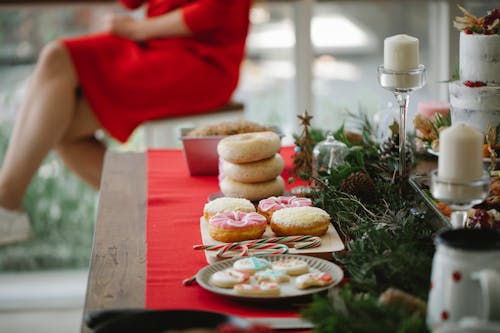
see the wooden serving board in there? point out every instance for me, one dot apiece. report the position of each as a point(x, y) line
point(330, 242)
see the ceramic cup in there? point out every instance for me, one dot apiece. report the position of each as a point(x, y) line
point(465, 280)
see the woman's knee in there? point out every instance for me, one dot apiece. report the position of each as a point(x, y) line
point(55, 59)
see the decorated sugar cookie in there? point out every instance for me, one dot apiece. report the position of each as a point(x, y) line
point(272, 275)
point(251, 264)
point(291, 266)
point(313, 280)
point(228, 278)
point(262, 289)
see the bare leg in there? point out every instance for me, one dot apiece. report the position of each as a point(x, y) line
point(43, 120)
point(79, 148)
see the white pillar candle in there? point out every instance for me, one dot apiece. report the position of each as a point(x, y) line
point(460, 153)
point(401, 53)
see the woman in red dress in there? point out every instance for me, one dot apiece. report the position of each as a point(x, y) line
point(183, 58)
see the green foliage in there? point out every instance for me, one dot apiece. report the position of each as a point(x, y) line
point(61, 210)
point(345, 311)
point(389, 245)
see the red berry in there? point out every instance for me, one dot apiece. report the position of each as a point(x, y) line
point(456, 276)
point(474, 84)
point(445, 315)
point(468, 31)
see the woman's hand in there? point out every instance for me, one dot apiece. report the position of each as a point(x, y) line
point(123, 26)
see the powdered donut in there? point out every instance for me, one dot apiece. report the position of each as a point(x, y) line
point(270, 205)
point(249, 147)
point(251, 265)
point(300, 221)
point(263, 289)
point(236, 226)
point(253, 192)
point(291, 266)
point(228, 278)
point(313, 280)
point(254, 172)
point(221, 205)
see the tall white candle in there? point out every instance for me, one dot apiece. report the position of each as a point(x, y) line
point(401, 53)
point(460, 153)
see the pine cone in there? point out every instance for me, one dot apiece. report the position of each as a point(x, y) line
point(360, 185)
point(390, 150)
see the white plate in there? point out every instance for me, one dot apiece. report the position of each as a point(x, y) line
point(436, 153)
point(288, 290)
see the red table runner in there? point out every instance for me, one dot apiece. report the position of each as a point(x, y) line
point(174, 207)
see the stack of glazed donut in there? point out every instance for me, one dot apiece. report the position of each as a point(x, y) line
point(250, 165)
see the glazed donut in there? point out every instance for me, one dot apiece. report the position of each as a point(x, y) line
point(249, 147)
point(270, 205)
point(221, 205)
point(300, 221)
point(236, 226)
point(253, 192)
point(254, 172)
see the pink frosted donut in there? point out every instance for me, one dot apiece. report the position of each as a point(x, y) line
point(236, 226)
point(268, 206)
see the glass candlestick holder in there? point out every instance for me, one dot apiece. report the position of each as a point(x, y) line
point(460, 196)
point(401, 83)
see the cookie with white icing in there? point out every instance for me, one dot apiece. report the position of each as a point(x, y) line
point(262, 289)
point(228, 278)
point(291, 266)
point(307, 280)
point(272, 275)
point(251, 264)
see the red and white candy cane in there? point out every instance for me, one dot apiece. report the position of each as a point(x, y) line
point(267, 248)
point(225, 251)
point(308, 240)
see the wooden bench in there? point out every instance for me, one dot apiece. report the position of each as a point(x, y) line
point(165, 133)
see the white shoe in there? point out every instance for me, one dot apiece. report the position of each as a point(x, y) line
point(14, 226)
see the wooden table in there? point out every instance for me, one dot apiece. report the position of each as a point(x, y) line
point(118, 262)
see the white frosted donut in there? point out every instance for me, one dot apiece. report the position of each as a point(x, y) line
point(225, 204)
point(249, 147)
point(253, 192)
point(254, 172)
point(300, 221)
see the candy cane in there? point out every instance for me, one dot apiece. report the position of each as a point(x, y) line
point(210, 247)
point(268, 249)
point(232, 247)
point(309, 240)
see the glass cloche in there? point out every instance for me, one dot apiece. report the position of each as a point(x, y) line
point(328, 154)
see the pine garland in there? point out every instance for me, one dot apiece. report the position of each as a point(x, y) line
point(389, 245)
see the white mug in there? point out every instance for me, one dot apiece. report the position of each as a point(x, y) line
point(465, 280)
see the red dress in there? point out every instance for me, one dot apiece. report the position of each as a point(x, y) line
point(127, 83)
